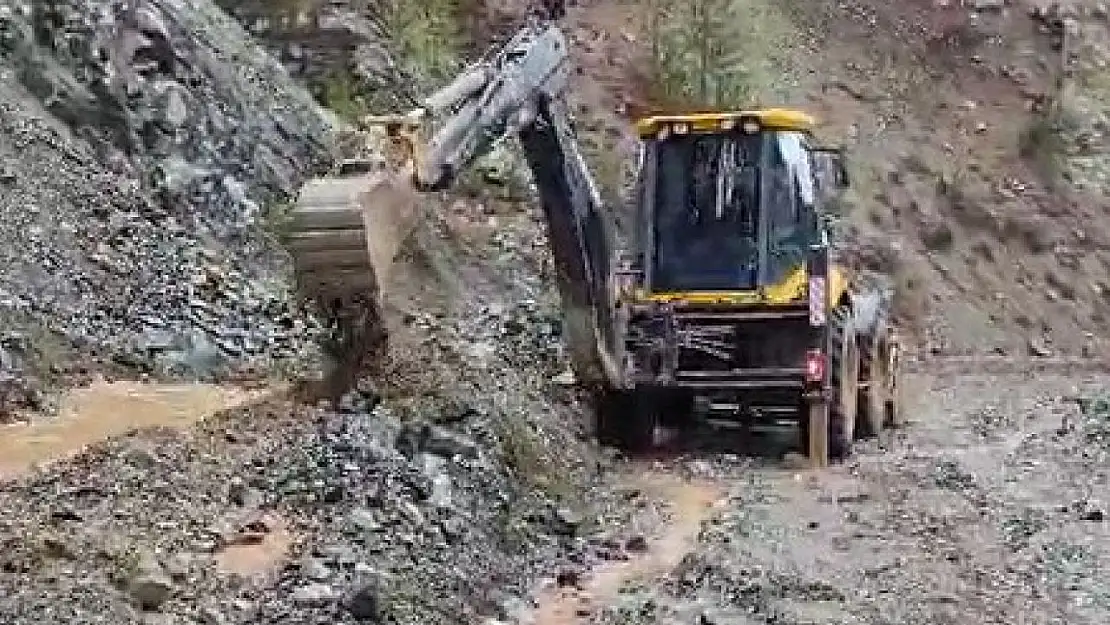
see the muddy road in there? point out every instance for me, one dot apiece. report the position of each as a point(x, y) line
point(989, 507)
point(105, 410)
point(687, 504)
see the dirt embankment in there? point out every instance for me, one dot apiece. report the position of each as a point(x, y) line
point(140, 150)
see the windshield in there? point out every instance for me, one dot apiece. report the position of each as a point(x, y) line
point(790, 205)
point(705, 215)
point(709, 190)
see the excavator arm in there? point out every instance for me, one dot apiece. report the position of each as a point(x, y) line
point(580, 236)
point(517, 91)
point(490, 101)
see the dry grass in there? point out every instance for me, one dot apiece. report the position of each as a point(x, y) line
point(427, 36)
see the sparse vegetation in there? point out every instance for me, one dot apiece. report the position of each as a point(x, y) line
point(341, 93)
point(426, 42)
point(938, 237)
point(714, 53)
point(427, 36)
point(1042, 143)
point(911, 296)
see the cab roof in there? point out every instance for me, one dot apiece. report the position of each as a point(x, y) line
point(770, 119)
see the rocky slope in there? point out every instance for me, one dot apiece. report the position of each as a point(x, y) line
point(974, 182)
point(978, 179)
point(139, 149)
point(439, 494)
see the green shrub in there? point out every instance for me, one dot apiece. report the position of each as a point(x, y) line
point(341, 92)
point(426, 37)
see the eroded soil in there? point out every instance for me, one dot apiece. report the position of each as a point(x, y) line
point(687, 503)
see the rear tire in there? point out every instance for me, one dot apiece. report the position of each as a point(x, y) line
point(845, 368)
point(875, 397)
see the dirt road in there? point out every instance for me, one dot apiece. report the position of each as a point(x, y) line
point(990, 507)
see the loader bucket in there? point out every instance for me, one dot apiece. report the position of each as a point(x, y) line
point(343, 235)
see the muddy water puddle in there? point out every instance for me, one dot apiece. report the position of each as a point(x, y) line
point(107, 409)
point(259, 550)
point(690, 503)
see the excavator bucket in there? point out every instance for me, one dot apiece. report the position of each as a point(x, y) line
point(343, 234)
point(347, 229)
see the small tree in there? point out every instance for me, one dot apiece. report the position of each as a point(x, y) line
point(427, 35)
point(713, 53)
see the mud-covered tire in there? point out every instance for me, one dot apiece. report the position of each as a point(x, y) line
point(610, 408)
point(814, 432)
point(844, 364)
point(876, 395)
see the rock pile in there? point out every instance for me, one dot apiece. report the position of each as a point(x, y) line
point(139, 151)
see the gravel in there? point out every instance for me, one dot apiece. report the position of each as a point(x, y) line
point(402, 507)
point(988, 509)
point(138, 155)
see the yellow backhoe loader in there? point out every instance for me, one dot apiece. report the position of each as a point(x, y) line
point(728, 305)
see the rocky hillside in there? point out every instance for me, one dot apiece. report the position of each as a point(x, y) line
point(442, 491)
point(976, 139)
point(141, 159)
point(140, 148)
point(977, 132)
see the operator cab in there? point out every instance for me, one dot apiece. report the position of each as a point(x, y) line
point(729, 201)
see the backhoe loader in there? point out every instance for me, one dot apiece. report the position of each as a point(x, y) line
point(728, 304)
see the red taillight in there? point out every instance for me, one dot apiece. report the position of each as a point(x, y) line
point(815, 366)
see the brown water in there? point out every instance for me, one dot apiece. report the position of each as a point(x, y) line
point(690, 503)
point(104, 410)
